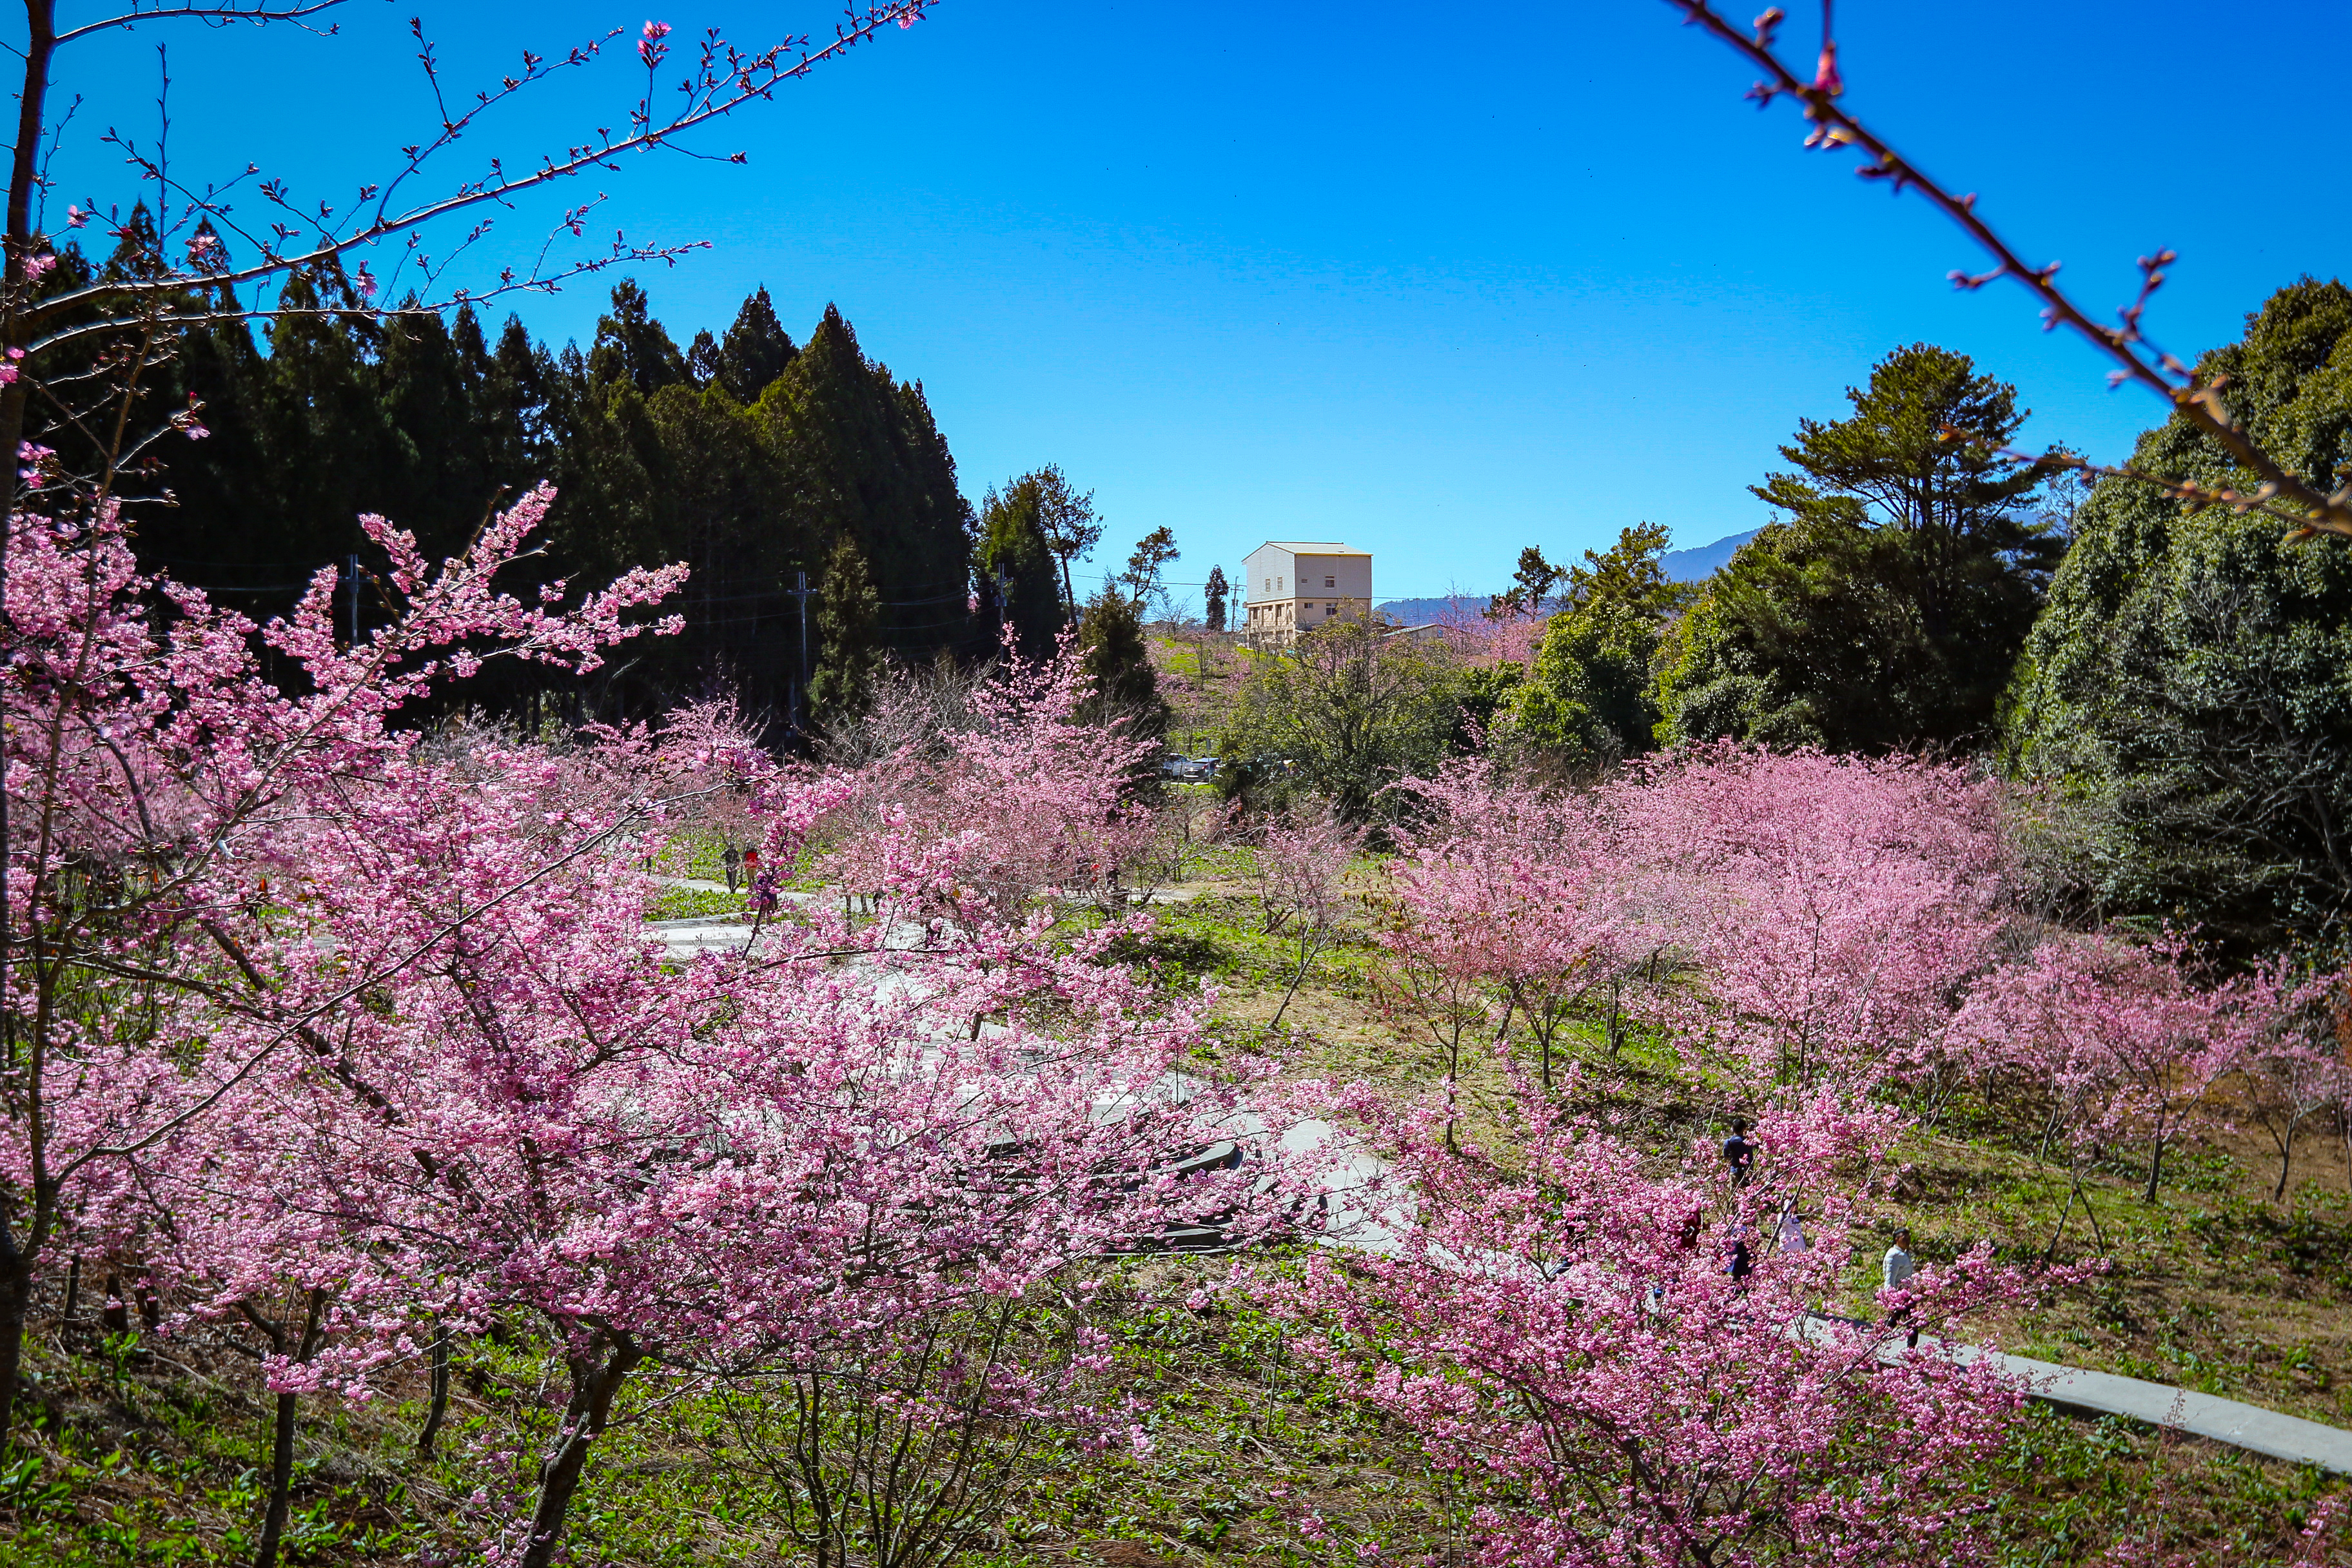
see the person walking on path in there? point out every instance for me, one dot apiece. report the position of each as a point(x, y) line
point(1738, 1153)
point(1792, 1230)
point(1895, 1271)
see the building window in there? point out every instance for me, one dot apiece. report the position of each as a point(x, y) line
point(1330, 582)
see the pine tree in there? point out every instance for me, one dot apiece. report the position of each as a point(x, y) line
point(1887, 609)
point(1072, 530)
point(861, 452)
point(848, 621)
point(702, 360)
point(634, 347)
point(1216, 591)
point(1152, 553)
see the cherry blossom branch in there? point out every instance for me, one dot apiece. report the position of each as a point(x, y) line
point(406, 959)
point(2314, 509)
point(724, 79)
point(218, 16)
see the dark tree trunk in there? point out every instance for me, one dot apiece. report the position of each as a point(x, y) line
point(596, 1376)
point(281, 1447)
point(281, 1481)
point(16, 1304)
point(440, 1406)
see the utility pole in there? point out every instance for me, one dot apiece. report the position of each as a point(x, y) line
point(799, 689)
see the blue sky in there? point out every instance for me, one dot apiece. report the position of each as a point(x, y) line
point(1435, 281)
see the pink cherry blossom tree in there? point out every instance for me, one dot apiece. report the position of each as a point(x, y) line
point(162, 792)
point(2121, 1037)
point(1560, 1328)
point(1300, 859)
point(1835, 905)
point(814, 1155)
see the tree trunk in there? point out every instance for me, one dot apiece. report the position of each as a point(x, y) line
point(440, 1406)
point(281, 1446)
point(2286, 1157)
point(15, 1303)
point(281, 1481)
point(2154, 1168)
point(593, 1384)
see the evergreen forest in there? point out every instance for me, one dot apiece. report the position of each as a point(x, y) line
point(770, 468)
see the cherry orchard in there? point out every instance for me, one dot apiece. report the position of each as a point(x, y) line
point(358, 1040)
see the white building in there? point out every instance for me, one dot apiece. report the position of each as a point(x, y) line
point(1292, 586)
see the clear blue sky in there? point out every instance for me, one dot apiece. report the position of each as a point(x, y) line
point(1435, 282)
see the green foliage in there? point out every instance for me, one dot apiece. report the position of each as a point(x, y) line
point(2191, 677)
point(748, 458)
point(1067, 519)
point(755, 352)
point(1589, 698)
point(847, 618)
point(1016, 563)
point(1151, 555)
point(1118, 670)
point(1346, 711)
point(1531, 586)
point(1886, 609)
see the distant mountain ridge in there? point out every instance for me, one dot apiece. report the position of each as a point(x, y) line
point(1695, 564)
point(1701, 562)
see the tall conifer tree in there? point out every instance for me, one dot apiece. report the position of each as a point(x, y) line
point(755, 351)
point(848, 622)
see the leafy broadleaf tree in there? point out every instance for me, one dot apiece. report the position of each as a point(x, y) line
point(1888, 608)
point(2187, 678)
point(1345, 712)
point(1588, 697)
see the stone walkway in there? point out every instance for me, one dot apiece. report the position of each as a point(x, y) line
point(2242, 1426)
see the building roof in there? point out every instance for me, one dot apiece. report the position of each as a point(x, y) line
point(1308, 547)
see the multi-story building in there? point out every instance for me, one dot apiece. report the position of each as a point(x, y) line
point(1292, 586)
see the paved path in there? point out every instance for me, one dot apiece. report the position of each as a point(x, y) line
point(2247, 1426)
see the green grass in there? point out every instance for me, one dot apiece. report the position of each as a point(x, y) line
point(682, 903)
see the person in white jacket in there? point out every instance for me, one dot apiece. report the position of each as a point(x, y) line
point(1894, 1272)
